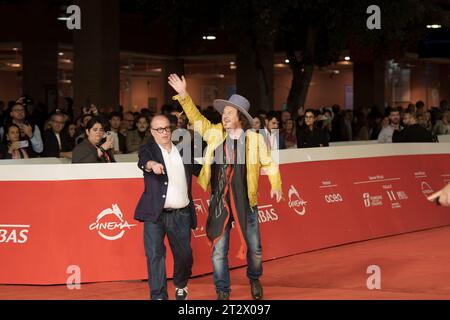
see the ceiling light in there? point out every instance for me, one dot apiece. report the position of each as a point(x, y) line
point(13, 65)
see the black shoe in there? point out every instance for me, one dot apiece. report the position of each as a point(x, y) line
point(257, 289)
point(181, 294)
point(223, 295)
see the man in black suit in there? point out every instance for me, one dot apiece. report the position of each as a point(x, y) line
point(55, 141)
point(166, 207)
point(413, 131)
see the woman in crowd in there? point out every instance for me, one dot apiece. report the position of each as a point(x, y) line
point(94, 149)
point(70, 132)
point(14, 147)
point(140, 136)
point(289, 135)
point(80, 134)
point(258, 123)
point(309, 135)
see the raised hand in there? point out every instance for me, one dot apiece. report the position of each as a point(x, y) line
point(179, 85)
point(108, 144)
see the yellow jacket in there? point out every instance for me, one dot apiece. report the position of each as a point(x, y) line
point(214, 135)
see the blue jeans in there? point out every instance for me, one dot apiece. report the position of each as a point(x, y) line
point(177, 227)
point(219, 256)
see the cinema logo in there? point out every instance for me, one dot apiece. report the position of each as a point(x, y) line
point(296, 202)
point(110, 224)
point(14, 233)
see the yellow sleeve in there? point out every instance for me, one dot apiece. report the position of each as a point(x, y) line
point(200, 123)
point(269, 165)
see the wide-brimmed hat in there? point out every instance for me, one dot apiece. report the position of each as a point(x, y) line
point(235, 101)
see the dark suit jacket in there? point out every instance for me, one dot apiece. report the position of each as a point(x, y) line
point(85, 152)
point(311, 139)
point(51, 146)
point(152, 201)
point(413, 133)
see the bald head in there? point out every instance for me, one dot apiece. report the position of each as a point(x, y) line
point(161, 131)
point(160, 121)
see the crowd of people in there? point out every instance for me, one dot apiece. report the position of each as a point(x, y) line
point(28, 130)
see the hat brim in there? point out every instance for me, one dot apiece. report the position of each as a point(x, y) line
point(220, 104)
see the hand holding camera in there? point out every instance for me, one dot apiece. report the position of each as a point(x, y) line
point(109, 143)
point(14, 146)
point(91, 109)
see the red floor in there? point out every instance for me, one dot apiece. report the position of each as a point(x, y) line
point(413, 266)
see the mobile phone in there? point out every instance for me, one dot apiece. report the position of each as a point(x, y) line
point(107, 134)
point(23, 144)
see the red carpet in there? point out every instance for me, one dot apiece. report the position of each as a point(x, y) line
point(413, 266)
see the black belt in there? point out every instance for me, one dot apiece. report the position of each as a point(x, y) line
point(174, 210)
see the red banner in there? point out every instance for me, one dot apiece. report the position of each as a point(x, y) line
point(48, 229)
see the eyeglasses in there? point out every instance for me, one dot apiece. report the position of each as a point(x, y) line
point(162, 130)
point(18, 110)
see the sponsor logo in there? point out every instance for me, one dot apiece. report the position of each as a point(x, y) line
point(333, 198)
point(296, 202)
point(395, 196)
point(14, 233)
point(116, 228)
point(267, 213)
point(372, 201)
point(426, 189)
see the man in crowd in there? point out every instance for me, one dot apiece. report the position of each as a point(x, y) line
point(28, 131)
point(55, 141)
point(115, 121)
point(386, 133)
point(413, 132)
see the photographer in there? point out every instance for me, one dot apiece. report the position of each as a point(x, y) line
point(94, 149)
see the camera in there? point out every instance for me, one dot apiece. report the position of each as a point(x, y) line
point(23, 144)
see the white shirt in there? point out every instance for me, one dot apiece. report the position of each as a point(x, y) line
point(58, 137)
point(115, 141)
point(386, 134)
point(177, 189)
point(272, 139)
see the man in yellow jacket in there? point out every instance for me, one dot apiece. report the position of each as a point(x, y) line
point(233, 159)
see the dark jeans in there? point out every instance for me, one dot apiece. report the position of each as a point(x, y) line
point(177, 227)
point(254, 253)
